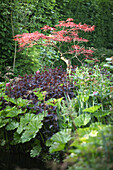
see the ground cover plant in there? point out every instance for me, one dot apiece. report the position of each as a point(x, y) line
point(65, 115)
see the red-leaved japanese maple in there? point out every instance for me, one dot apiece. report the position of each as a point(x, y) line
point(66, 31)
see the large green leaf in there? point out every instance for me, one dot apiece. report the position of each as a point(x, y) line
point(17, 138)
point(32, 125)
point(28, 128)
point(31, 130)
point(12, 100)
point(8, 109)
point(22, 102)
point(55, 147)
point(36, 150)
point(87, 135)
point(3, 122)
point(12, 125)
point(62, 137)
point(82, 119)
point(13, 112)
point(92, 109)
point(24, 121)
point(102, 113)
point(91, 138)
point(58, 140)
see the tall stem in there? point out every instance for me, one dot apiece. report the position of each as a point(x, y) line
point(14, 57)
point(15, 41)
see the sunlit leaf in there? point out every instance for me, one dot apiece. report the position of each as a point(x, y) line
point(12, 125)
point(3, 122)
point(58, 140)
point(102, 113)
point(82, 119)
point(12, 100)
point(32, 128)
point(25, 121)
point(55, 147)
point(92, 109)
point(22, 102)
point(62, 137)
point(13, 112)
point(31, 131)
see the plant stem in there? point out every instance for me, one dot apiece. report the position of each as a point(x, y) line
point(15, 41)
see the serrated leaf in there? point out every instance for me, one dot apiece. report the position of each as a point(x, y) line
point(8, 109)
point(32, 128)
point(17, 138)
point(92, 109)
point(22, 102)
point(35, 151)
point(82, 119)
point(62, 137)
point(31, 131)
point(12, 125)
point(13, 112)
point(12, 100)
point(55, 147)
point(3, 122)
point(25, 121)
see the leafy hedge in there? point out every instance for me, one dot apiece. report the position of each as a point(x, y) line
point(6, 42)
point(94, 12)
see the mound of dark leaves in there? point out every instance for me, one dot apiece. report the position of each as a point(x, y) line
point(55, 82)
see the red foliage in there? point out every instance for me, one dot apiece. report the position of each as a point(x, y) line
point(69, 33)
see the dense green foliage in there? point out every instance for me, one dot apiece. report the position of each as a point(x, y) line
point(94, 12)
point(19, 17)
point(6, 42)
